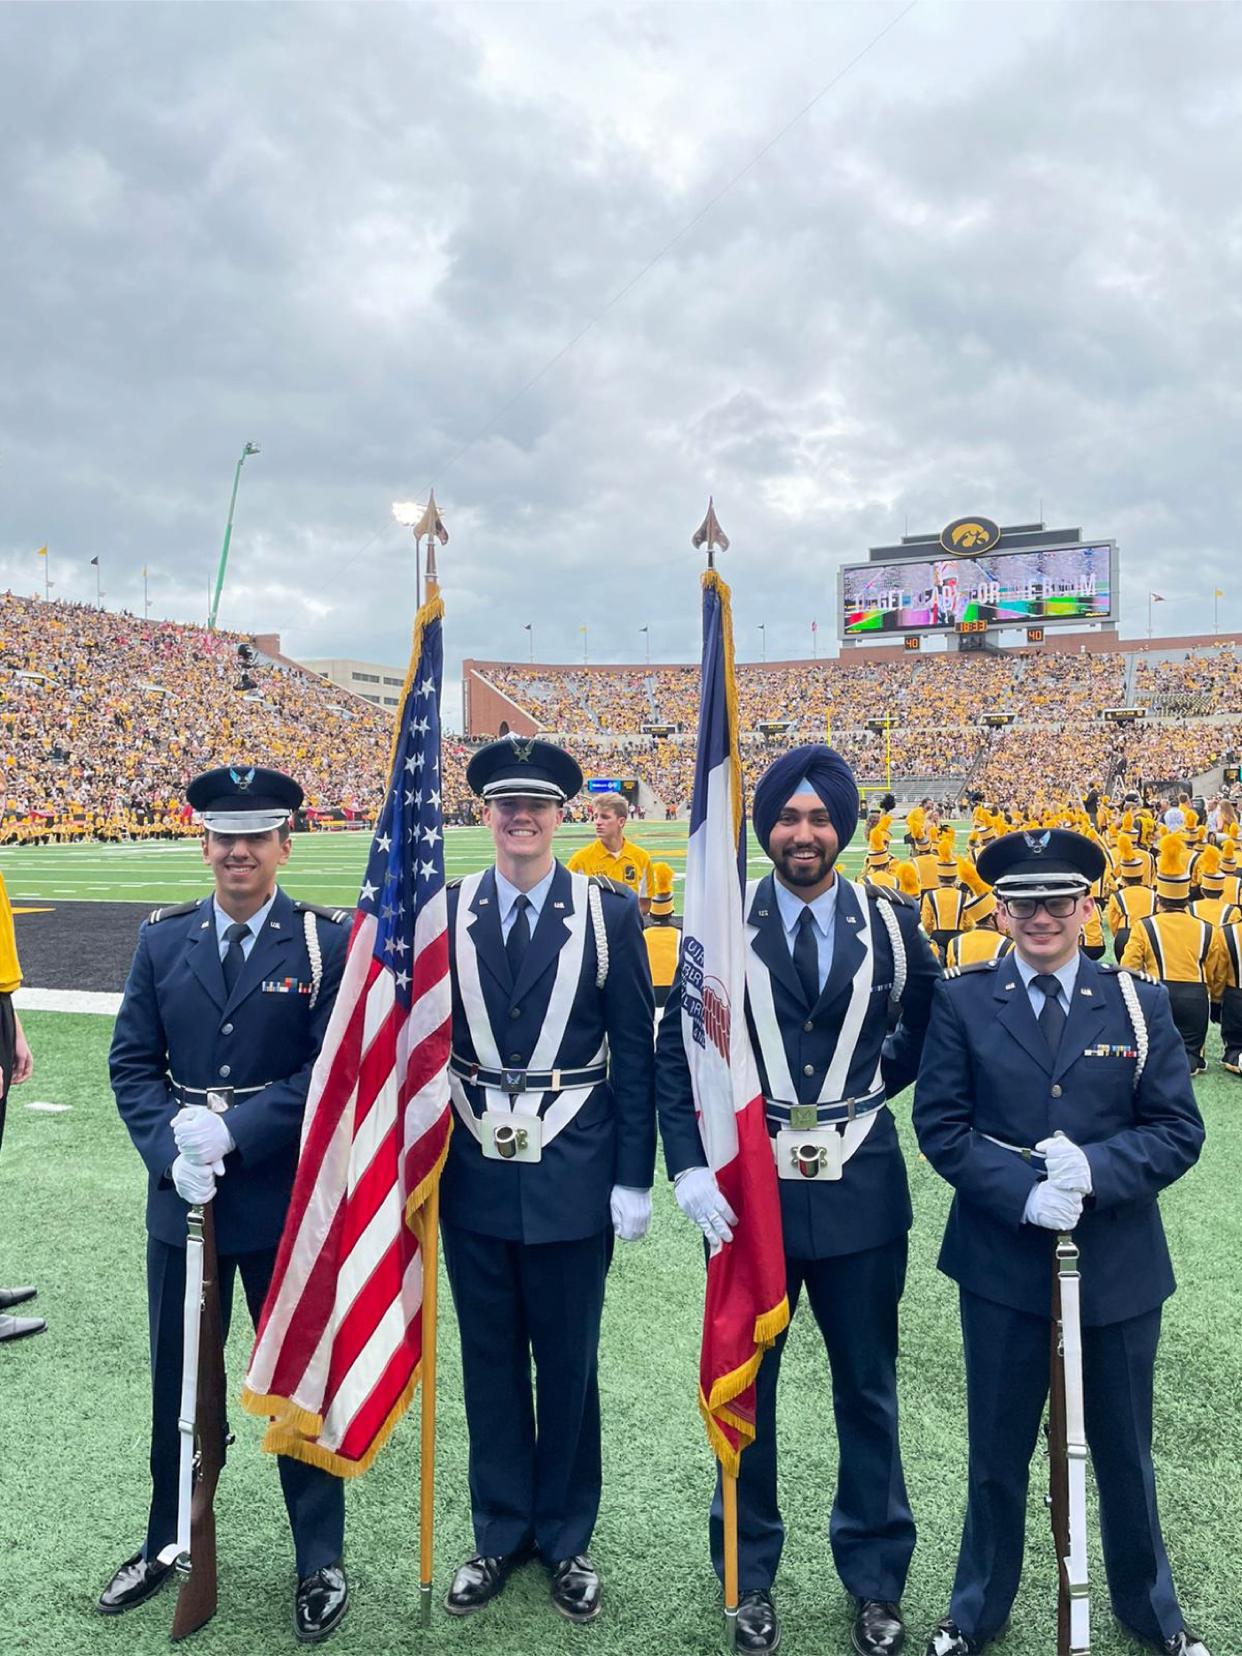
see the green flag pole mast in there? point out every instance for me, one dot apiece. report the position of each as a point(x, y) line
point(250, 448)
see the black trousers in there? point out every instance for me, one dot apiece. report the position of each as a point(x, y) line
point(854, 1299)
point(1006, 1388)
point(8, 1049)
point(314, 1499)
point(1231, 1023)
point(535, 1467)
point(1190, 1007)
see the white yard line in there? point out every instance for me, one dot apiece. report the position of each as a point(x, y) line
point(104, 1002)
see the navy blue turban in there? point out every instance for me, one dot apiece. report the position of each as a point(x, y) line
point(830, 777)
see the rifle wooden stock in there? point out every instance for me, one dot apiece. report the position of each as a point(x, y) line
point(196, 1600)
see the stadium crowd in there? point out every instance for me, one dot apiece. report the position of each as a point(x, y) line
point(104, 716)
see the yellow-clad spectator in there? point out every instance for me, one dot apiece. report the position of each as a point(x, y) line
point(611, 853)
point(661, 935)
point(16, 1066)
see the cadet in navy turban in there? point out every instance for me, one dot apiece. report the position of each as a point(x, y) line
point(815, 768)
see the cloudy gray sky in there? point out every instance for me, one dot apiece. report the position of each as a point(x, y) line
point(998, 262)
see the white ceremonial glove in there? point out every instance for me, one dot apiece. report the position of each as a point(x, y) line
point(202, 1137)
point(631, 1212)
point(700, 1198)
point(1068, 1168)
point(1055, 1210)
point(194, 1184)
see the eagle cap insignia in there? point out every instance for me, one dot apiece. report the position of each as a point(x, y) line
point(240, 779)
point(1037, 844)
point(522, 750)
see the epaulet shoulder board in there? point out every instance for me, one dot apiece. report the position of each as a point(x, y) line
point(156, 915)
point(887, 894)
point(606, 883)
point(971, 966)
point(1130, 971)
point(338, 915)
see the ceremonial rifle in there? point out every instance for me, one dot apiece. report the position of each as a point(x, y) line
point(1067, 1455)
point(203, 1430)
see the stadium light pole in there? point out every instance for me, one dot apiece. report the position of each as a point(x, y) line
point(763, 641)
point(530, 628)
point(585, 638)
point(646, 632)
point(213, 611)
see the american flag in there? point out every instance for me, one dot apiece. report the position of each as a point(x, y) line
point(339, 1346)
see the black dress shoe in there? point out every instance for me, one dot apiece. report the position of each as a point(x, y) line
point(9, 1297)
point(576, 1589)
point(758, 1628)
point(135, 1582)
point(1184, 1643)
point(878, 1628)
point(320, 1603)
point(947, 1639)
point(480, 1579)
point(17, 1328)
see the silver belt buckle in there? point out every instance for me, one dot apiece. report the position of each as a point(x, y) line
point(802, 1116)
point(513, 1081)
point(219, 1100)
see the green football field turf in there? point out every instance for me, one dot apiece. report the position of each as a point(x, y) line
point(74, 1406)
point(324, 868)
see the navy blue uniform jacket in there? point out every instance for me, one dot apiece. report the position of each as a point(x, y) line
point(176, 1019)
point(870, 1204)
point(611, 1140)
point(988, 1069)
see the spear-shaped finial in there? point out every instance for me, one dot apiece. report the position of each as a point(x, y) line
point(709, 535)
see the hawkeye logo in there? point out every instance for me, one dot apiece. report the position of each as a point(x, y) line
point(705, 1000)
point(970, 537)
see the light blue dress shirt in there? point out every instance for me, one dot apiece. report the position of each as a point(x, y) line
point(824, 911)
point(255, 922)
point(507, 895)
point(1066, 977)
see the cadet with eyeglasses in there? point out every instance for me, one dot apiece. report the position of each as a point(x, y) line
point(1054, 1095)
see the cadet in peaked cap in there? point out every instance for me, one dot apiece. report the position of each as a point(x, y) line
point(244, 799)
point(1022, 1051)
point(517, 767)
point(224, 1012)
point(551, 1075)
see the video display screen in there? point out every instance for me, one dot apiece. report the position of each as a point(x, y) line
point(1064, 583)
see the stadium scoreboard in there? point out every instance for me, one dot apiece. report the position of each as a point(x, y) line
point(1024, 578)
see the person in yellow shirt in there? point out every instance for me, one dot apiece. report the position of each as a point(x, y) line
point(661, 934)
point(1212, 906)
point(1133, 900)
point(984, 940)
point(1231, 998)
point(942, 912)
point(612, 854)
point(1186, 954)
point(16, 1066)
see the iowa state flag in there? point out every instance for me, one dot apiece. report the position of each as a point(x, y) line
point(746, 1306)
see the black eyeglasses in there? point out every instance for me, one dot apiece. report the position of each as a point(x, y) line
point(1022, 908)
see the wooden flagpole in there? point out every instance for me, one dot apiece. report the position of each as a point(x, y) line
point(728, 1482)
point(431, 527)
point(427, 1432)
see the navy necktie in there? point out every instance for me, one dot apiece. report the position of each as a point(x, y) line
point(234, 960)
point(518, 940)
point(1052, 1018)
point(806, 957)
